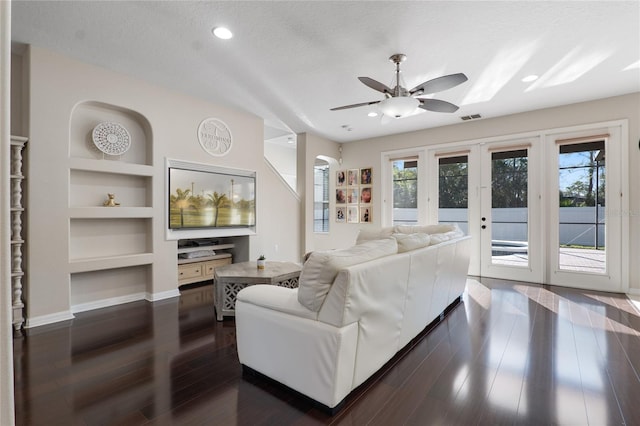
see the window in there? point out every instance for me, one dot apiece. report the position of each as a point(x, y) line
point(510, 207)
point(582, 182)
point(453, 186)
point(321, 196)
point(405, 191)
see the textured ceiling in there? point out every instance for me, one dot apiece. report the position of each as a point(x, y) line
point(289, 62)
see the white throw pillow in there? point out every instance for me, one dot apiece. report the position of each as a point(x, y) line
point(321, 268)
point(427, 229)
point(365, 235)
point(408, 242)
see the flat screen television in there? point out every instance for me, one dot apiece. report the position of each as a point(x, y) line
point(202, 196)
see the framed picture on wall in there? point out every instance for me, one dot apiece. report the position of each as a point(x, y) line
point(352, 214)
point(341, 178)
point(352, 196)
point(341, 214)
point(352, 177)
point(366, 176)
point(365, 214)
point(341, 196)
point(365, 195)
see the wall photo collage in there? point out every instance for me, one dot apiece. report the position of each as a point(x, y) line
point(353, 195)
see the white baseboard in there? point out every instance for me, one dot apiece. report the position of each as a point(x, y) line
point(152, 297)
point(48, 319)
point(104, 303)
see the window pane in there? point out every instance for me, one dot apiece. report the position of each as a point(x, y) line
point(453, 191)
point(405, 191)
point(509, 208)
point(582, 207)
point(321, 198)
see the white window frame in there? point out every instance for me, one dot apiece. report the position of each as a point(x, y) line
point(386, 188)
point(326, 190)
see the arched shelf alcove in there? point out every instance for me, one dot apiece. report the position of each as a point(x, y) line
point(88, 114)
point(110, 249)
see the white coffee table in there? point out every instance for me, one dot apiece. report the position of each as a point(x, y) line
point(230, 279)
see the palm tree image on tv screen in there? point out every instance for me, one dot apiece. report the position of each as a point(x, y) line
point(202, 199)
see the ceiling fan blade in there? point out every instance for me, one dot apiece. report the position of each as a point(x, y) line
point(376, 85)
point(438, 84)
point(436, 105)
point(355, 105)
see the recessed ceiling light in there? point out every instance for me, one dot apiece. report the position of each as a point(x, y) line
point(530, 78)
point(222, 32)
point(372, 114)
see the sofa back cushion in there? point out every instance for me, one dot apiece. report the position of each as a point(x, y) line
point(320, 270)
point(437, 233)
point(365, 235)
point(439, 228)
point(409, 242)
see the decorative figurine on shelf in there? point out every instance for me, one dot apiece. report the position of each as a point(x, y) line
point(262, 261)
point(111, 201)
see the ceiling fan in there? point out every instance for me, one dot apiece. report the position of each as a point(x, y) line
point(400, 102)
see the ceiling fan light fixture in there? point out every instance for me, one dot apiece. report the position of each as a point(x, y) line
point(400, 102)
point(399, 107)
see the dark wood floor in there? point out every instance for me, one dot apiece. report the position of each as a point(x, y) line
point(511, 353)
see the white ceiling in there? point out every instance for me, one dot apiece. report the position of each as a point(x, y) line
point(290, 62)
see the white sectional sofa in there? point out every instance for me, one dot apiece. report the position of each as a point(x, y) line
point(354, 309)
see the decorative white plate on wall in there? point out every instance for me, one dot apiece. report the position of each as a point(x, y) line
point(111, 138)
point(215, 137)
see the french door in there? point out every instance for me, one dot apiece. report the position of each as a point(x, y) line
point(540, 209)
point(491, 192)
point(586, 219)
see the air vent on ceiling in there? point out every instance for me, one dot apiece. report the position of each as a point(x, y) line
point(470, 117)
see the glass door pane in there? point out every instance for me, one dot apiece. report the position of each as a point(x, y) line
point(453, 191)
point(582, 211)
point(509, 208)
point(405, 191)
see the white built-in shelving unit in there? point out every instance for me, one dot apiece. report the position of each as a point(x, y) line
point(110, 248)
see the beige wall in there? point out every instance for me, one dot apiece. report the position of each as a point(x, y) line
point(57, 84)
point(18, 126)
point(368, 153)
point(284, 160)
point(309, 147)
